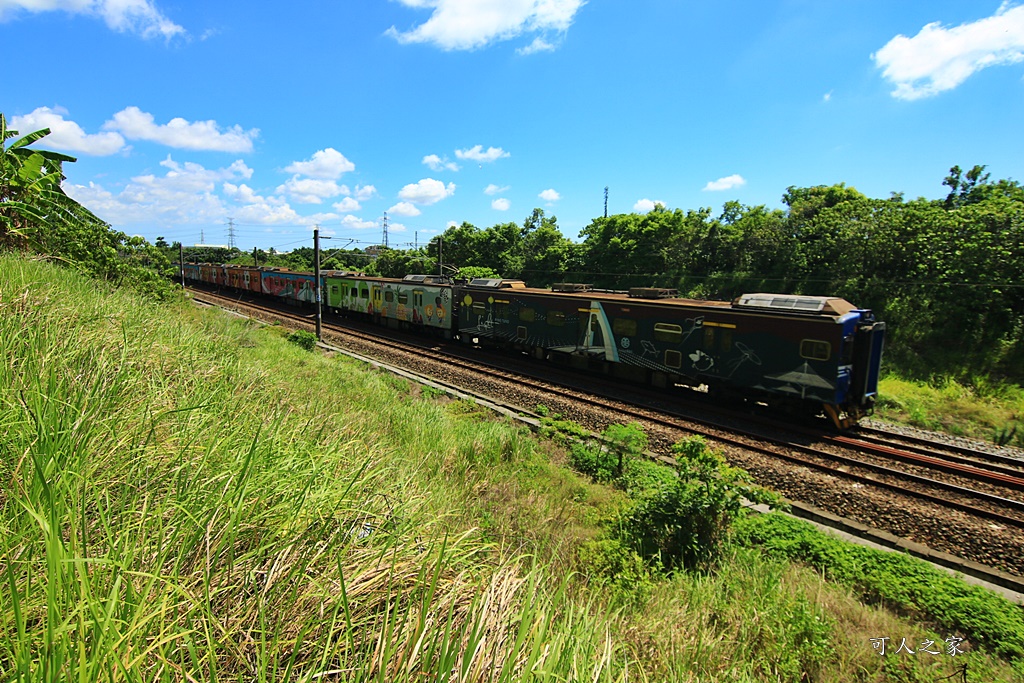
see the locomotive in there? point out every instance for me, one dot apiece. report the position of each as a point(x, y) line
point(805, 354)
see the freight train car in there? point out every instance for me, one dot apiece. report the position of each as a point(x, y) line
point(807, 353)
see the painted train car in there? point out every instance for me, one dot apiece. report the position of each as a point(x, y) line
point(803, 352)
point(416, 301)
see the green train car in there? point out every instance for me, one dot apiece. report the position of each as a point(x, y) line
point(416, 301)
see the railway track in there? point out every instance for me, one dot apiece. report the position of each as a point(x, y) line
point(961, 481)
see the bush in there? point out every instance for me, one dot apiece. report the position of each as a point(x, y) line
point(303, 338)
point(685, 522)
point(610, 563)
point(604, 460)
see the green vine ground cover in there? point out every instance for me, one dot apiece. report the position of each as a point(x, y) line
point(185, 496)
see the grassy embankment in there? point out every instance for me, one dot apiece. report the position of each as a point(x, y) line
point(980, 409)
point(187, 496)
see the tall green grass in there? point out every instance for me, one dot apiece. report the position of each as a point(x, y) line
point(172, 509)
point(184, 496)
point(981, 408)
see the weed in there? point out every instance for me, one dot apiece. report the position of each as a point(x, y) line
point(303, 338)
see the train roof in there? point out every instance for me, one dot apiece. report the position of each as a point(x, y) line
point(758, 302)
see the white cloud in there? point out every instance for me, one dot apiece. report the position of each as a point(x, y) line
point(241, 193)
point(404, 209)
point(726, 183)
point(364, 192)
point(436, 163)
point(827, 97)
point(467, 25)
point(347, 205)
point(939, 59)
point(357, 223)
point(550, 195)
point(185, 194)
point(66, 135)
point(265, 213)
point(327, 164)
point(538, 45)
point(478, 155)
point(311, 190)
point(647, 205)
point(136, 124)
point(124, 16)
point(493, 189)
point(427, 191)
point(190, 172)
point(501, 204)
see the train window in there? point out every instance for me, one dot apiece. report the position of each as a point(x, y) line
point(665, 332)
point(417, 297)
point(556, 318)
point(389, 296)
point(500, 311)
point(673, 359)
point(709, 338)
point(527, 315)
point(726, 339)
point(815, 349)
point(334, 290)
point(521, 332)
point(624, 327)
point(479, 308)
point(364, 294)
point(403, 298)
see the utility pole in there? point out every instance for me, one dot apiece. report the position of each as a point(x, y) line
point(181, 262)
point(316, 276)
point(417, 243)
point(231, 232)
point(440, 266)
point(255, 259)
point(385, 229)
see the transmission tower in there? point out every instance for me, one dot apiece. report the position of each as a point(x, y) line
point(606, 201)
point(231, 232)
point(385, 229)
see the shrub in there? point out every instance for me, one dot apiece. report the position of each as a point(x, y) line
point(685, 522)
point(604, 459)
point(303, 338)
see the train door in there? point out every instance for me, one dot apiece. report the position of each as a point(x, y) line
point(376, 299)
point(595, 337)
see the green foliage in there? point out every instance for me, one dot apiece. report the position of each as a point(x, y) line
point(36, 215)
point(610, 564)
point(685, 522)
point(303, 338)
point(603, 459)
point(560, 430)
point(897, 580)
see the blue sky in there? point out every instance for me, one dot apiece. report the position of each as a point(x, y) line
point(186, 114)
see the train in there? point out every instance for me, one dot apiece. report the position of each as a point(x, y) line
point(815, 355)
